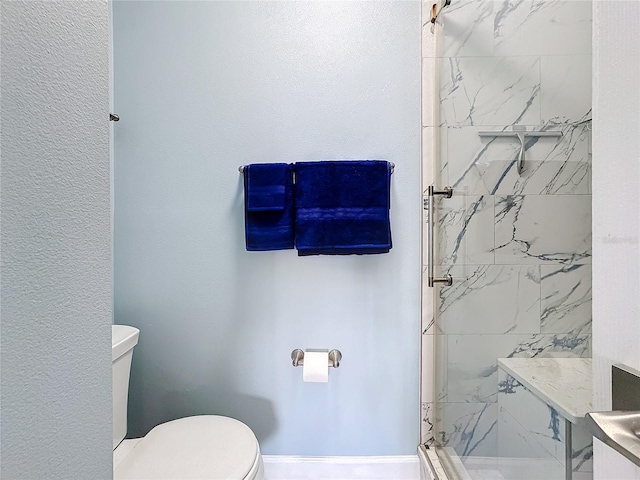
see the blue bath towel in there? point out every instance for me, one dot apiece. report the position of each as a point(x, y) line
point(268, 200)
point(342, 207)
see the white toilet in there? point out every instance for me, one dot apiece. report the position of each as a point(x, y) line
point(203, 447)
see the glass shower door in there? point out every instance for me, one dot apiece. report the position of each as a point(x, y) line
point(514, 237)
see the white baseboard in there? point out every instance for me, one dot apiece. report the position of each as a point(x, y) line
point(396, 467)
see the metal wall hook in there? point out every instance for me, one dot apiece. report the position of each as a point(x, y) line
point(333, 357)
point(113, 117)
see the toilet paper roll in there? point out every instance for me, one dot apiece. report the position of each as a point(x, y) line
point(316, 366)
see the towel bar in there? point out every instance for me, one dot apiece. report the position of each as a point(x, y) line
point(393, 166)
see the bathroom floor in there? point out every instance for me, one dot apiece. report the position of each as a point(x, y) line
point(123, 450)
point(277, 467)
point(485, 475)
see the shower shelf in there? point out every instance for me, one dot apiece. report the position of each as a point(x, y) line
point(521, 134)
point(563, 383)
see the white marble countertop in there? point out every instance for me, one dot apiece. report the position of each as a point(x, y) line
point(563, 383)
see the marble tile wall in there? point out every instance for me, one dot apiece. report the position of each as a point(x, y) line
point(517, 245)
point(531, 436)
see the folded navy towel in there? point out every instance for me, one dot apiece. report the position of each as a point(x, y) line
point(342, 207)
point(268, 200)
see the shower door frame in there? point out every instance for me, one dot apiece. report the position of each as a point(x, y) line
point(433, 372)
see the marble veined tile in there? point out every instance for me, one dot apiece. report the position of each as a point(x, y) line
point(520, 455)
point(543, 229)
point(441, 370)
point(565, 90)
point(553, 166)
point(472, 360)
point(490, 299)
point(494, 91)
point(565, 298)
point(465, 233)
point(487, 165)
point(542, 178)
point(564, 345)
point(542, 27)
point(581, 449)
point(426, 425)
point(473, 365)
point(515, 441)
point(469, 428)
point(542, 421)
point(467, 29)
point(441, 169)
point(428, 319)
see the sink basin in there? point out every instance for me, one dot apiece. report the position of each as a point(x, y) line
point(618, 429)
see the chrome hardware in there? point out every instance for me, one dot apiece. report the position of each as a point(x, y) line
point(436, 8)
point(297, 357)
point(113, 117)
point(520, 133)
point(618, 429)
point(447, 192)
point(393, 167)
point(333, 357)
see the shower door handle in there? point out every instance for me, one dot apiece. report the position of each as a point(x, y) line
point(447, 192)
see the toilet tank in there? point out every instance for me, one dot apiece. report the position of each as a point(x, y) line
point(123, 339)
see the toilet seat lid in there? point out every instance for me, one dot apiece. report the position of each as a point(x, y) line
point(200, 447)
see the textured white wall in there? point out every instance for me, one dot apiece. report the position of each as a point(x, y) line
point(616, 208)
point(56, 273)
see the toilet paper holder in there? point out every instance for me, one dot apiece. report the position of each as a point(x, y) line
point(334, 357)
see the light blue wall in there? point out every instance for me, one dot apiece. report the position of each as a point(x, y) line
point(201, 88)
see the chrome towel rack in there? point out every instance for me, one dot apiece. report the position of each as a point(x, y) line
point(521, 133)
point(242, 167)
